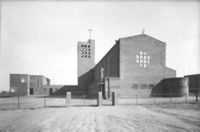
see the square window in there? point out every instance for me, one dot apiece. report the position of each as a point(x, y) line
point(23, 80)
point(141, 61)
point(145, 53)
point(141, 56)
point(137, 61)
point(148, 61)
point(141, 65)
point(145, 61)
point(134, 86)
point(143, 86)
point(137, 56)
point(150, 86)
point(145, 65)
point(145, 57)
point(13, 90)
point(148, 57)
point(141, 52)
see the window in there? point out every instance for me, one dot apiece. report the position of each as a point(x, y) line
point(134, 86)
point(23, 80)
point(143, 86)
point(150, 86)
point(44, 81)
point(13, 90)
point(143, 59)
point(85, 51)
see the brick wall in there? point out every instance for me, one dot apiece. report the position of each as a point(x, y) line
point(19, 84)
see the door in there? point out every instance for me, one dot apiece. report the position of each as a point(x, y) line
point(31, 91)
point(50, 91)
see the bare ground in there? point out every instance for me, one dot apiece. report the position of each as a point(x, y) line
point(161, 117)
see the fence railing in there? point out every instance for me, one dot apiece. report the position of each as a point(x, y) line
point(158, 98)
point(33, 102)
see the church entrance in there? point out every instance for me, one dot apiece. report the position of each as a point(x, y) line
point(103, 90)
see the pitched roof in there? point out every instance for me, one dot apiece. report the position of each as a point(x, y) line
point(142, 36)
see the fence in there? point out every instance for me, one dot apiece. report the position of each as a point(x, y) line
point(157, 99)
point(36, 102)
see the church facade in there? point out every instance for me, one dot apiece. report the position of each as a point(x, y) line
point(133, 66)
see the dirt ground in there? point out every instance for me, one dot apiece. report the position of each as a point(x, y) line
point(151, 118)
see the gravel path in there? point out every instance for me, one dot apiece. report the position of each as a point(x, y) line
point(107, 118)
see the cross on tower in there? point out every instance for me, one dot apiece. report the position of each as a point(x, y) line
point(90, 32)
point(143, 30)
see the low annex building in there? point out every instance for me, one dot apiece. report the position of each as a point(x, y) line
point(24, 84)
point(194, 83)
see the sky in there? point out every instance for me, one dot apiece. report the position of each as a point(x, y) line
point(40, 37)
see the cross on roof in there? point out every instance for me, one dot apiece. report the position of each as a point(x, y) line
point(90, 32)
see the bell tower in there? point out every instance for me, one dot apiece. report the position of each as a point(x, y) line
point(86, 59)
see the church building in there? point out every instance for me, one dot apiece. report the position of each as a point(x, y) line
point(133, 66)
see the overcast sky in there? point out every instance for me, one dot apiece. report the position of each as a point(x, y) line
point(41, 37)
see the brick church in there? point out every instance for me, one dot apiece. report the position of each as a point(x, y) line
point(133, 66)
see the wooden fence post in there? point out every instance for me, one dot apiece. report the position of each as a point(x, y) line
point(196, 96)
point(114, 98)
point(18, 102)
point(44, 101)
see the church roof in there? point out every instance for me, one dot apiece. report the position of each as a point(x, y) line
point(143, 36)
